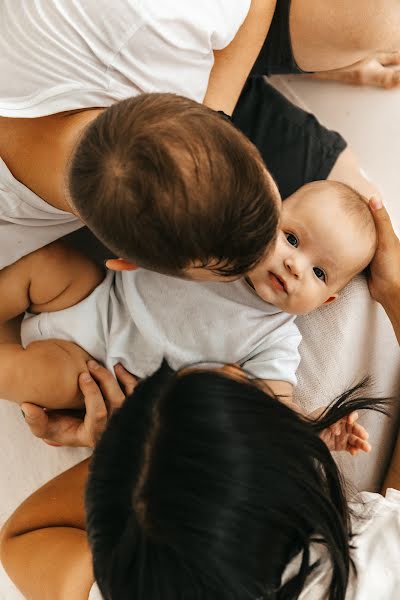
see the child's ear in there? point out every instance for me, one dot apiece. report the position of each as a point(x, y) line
point(120, 264)
point(331, 299)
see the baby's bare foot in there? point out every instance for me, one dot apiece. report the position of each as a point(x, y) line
point(383, 70)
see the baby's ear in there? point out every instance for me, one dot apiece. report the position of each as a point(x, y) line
point(120, 264)
point(331, 299)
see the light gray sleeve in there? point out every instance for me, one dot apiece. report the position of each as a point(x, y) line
point(277, 358)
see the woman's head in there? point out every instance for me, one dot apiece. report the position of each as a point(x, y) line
point(203, 487)
point(164, 168)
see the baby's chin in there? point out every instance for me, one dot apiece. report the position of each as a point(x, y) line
point(280, 301)
point(289, 307)
point(298, 309)
point(287, 303)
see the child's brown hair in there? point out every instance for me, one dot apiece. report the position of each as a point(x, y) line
point(167, 183)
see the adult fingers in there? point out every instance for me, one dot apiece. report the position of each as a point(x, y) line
point(126, 379)
point(50, 442)
point(382, 221)
point(110, 389)
point(36, 418)
point(53, 427)
point(96, 416)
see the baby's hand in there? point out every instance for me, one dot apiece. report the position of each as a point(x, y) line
point(346, 435)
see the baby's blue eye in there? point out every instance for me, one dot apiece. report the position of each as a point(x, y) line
point(292, 239)
point(319, 273)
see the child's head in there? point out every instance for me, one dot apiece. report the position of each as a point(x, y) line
point(326, 237)
point(204, 487)
point(173, 186)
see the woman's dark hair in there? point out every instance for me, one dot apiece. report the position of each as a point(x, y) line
point(168, 183)
point(204, 488)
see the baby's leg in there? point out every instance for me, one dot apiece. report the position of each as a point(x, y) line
point(46, 372)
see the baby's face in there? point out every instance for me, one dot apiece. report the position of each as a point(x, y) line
point(319, 249)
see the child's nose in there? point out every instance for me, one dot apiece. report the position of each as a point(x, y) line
point(292, 264)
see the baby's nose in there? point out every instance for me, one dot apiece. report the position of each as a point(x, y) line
point(293, 266)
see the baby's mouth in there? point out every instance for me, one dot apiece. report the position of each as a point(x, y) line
point(277, 282)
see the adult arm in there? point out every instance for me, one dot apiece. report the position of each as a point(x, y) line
point(43, 546)
point(392, 478)
point(233, 64)
point(347, 170)
point(384, 285)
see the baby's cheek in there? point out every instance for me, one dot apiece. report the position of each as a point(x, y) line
point(304, 304)
point(292, 306)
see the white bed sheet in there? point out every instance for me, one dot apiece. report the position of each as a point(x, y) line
point(342, 342)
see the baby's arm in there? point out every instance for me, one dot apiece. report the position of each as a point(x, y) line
point(43, 546)
point(344, 436)
point(46, 372)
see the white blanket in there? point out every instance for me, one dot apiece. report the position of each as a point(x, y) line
point(342, 342)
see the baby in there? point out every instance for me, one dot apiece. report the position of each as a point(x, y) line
point(326, 236)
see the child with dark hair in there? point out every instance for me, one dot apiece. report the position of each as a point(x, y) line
point(138, 318)
point(177, 188)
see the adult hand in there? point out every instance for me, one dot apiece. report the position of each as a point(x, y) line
point(102, 394)
point(384, 281)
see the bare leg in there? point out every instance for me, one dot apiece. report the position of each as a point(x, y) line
point(46, 372)
point(10, 331)
point(355, 42)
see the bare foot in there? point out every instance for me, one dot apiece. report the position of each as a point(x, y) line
point(383, 70)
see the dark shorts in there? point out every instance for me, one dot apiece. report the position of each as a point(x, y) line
point(296, 148)
point(276, 55)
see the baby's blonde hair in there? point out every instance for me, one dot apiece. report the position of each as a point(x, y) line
point(355, 205)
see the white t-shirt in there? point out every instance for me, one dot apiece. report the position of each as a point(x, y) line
point(58, 55)
point(26, 221)
point(376, 555)
point(140, 317)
